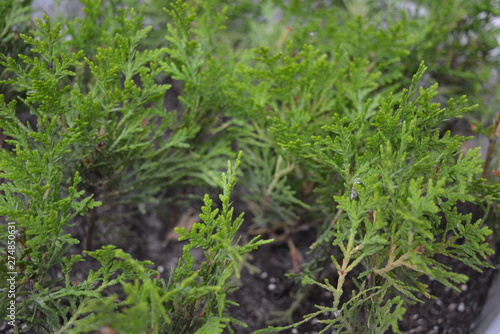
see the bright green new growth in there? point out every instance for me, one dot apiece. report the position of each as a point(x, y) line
point(216, 235)
point(193, 301)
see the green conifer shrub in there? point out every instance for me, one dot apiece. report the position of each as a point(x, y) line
point(341, 129)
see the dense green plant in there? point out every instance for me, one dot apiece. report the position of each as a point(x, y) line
point(400, 182)
point(15, 19)
point(331, 140)
point(194, 300)
point(97, 129)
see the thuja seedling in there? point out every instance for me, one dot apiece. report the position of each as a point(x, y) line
point(402, 183)
point(331, 141)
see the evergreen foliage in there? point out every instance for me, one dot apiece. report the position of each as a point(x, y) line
point(340, 125)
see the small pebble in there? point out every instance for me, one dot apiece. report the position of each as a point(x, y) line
point(452, 307)
point(421, 322)
point(272, 279)
point(271, 287)
point(264, 275)
point(461, 307)
point(463, 287)
point(435, 330)
point(327, 294)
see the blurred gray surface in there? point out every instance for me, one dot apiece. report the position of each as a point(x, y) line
point(489, 322)
point(67, 8)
